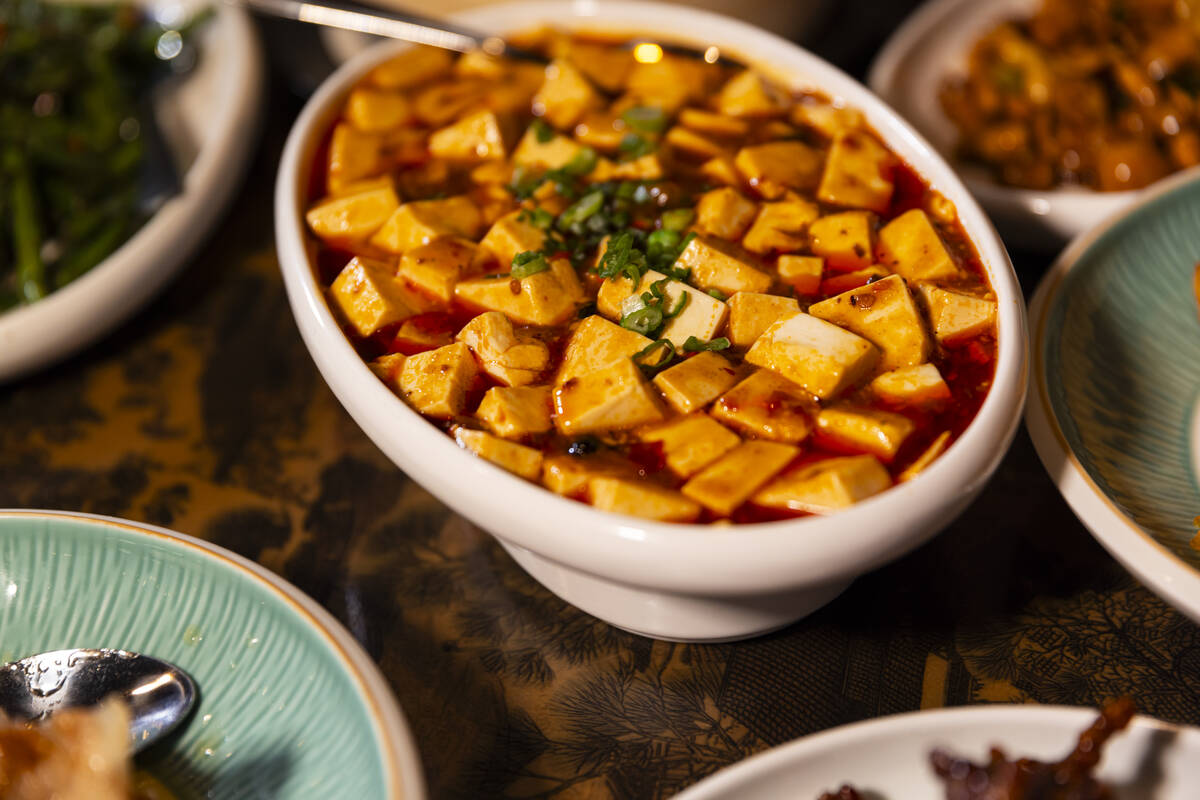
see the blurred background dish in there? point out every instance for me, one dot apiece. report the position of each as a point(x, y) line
point(290, 706)
point(209, 119)
point(791, 19)
point(889, 757)
point(934, 46)
point(1115, 407)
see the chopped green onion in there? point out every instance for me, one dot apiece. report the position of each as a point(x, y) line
point(581, 163)
point(684, 299)
point(647, 119)
point(633, 146)
point(542, 130)
point(667, 354)
point(644, 321)
point(531, 262)
point(717, 293)
point(537, 217)
point(582, 210)
point(694, 345)
point(677, 219)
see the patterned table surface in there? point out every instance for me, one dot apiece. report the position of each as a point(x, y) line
point(206, 415)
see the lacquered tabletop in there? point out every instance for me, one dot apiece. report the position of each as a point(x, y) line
point(205, 414)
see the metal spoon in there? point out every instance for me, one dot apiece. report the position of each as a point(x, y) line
point(412, 28)
point(159, 694)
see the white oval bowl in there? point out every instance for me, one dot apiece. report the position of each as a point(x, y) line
point(888, 758)
point(908, 72)
point(670, 581)
point(215, 109)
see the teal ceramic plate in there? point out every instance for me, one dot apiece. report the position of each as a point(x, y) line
point(1116, 359)
point(290, 707)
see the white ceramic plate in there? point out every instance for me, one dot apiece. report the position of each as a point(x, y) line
point(211, 122)
point(908, 73)
point(889, 757)
point(1115, 407)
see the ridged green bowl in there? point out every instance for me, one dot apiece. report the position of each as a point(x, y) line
point(290, 707)
point(1116, 358)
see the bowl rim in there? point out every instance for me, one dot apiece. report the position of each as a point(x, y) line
point(1129, 543)
point(401, 761)
point(925, 723)
point(882, 79)
point(635, 550)
point(66, 320)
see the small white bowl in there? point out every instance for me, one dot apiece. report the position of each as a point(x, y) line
point(684, 582)
point(212, 117)
point(889, 757)
point(908, 73)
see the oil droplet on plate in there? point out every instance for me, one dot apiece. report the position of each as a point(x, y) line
point(192, 635)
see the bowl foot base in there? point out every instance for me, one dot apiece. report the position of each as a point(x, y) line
point(675, 617)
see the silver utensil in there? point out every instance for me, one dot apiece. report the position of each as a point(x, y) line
point(159, 695)
point(419, 30)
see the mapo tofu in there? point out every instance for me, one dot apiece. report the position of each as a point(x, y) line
point(667, 288)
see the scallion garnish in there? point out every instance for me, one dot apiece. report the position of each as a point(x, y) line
point(542, 130)
point(717, 293)
point(531, 262)
point(633, 146)
point(646, 119)
point(694, 345)
point(581, 210)
point(646, 320)
point(654, 356)
point(677, 219)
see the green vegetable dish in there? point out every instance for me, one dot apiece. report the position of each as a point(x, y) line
point(81, 168)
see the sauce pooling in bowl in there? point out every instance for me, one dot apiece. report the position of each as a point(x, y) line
point(664, 287)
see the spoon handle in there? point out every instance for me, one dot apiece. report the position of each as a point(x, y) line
point(380, 22)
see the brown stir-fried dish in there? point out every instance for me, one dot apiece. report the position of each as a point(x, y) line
point(661, 286)
point(1096, 93)
point(1025, 778)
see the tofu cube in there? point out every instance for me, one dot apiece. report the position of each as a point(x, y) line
point(693, 144)
point(921, 385)
point(601, 130)
point(506, 356)
point(721, 170)
point(416, 66)
point(858, 173)
point(596, 344)
point(352, 218)
point(552, 154)
point(420, 222)
point(826, 486)
point(767, 406)
point(493, 173)
point(516, 458)
point(374, 111)
point(826, 119)
point(885, 314)
point(724, 485)
point(780, 227)
point(418, 333)
point(911, 247)
point(545, 298)
point(775, 167)
point(751, 313)
point(717, 265)
point(725, 213)
point(845, 240)
point(748, 94)
point(711, 124)
point(365, 185)
point(702, 315)
point(508, 236)
point(436, 267)
point(802, 273)
point(353, 155)
point(475, 137)
point(922, 462)
point(570, 475)
point(695, 382)
point(442, 103)
point(565, 95)
point(862, 430)
point(955, 316)
point(615, 398)
point(647, 168)
point(845, 281)
point(388, 368)
point(691, 443)
point(669, 83)
point(818, 355)
point(369, 296)
point(516, 411)
point(436, 382)
point(641, 500)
